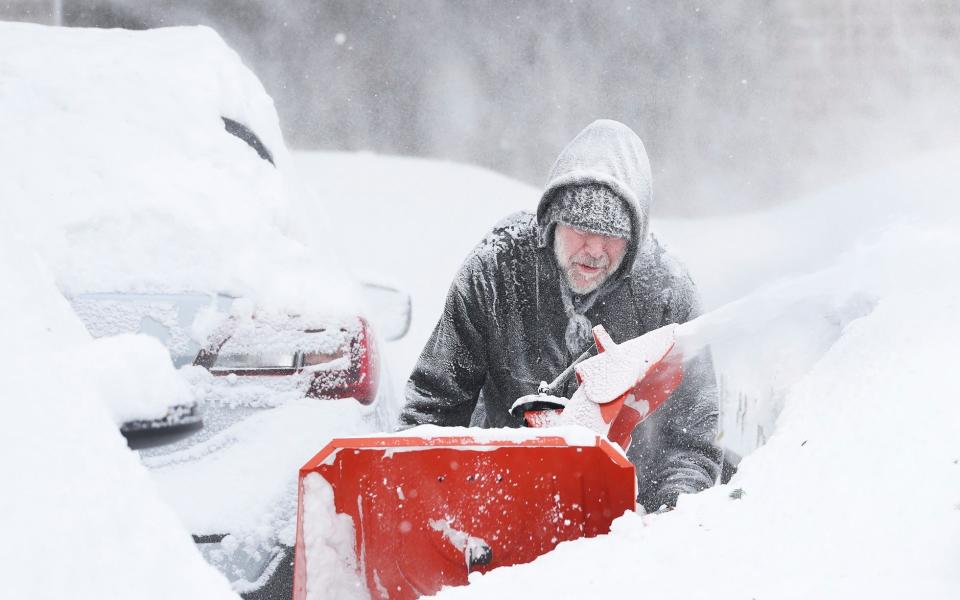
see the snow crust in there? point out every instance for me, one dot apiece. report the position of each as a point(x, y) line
point(108, 317)
point(856, 493)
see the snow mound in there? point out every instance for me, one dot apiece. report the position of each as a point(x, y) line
point(76, 502)
point(857, 493)
point(128, 181)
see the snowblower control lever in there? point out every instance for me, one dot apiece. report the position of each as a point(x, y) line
point(550, 388)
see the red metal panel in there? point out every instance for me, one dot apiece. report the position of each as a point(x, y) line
point(410, 499)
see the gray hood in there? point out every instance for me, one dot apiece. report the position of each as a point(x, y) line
point(610, 153)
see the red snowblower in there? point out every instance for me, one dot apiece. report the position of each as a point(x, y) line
point(408, 513)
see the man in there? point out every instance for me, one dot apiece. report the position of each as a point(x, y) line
point(525, 300)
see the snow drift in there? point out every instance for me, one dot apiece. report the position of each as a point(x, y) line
point(857, 491)
point(80, 513)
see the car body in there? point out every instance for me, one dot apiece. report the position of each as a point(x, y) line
point(152, 174)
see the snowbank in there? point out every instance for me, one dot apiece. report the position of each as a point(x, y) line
point(80, 514)
point(857, 493)
point(764, 345)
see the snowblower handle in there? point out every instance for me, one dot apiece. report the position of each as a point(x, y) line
point(550, 388)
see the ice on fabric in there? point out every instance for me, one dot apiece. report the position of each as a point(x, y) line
point(605, 156)
point(608, 153)
point(592, 207)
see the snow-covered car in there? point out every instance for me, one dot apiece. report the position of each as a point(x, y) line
point(151, 176)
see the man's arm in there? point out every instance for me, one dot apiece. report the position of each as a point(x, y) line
point(689, 459)
point(445, 384)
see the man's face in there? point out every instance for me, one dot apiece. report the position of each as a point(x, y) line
point(586, 259)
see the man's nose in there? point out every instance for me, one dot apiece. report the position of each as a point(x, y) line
point(594, 245)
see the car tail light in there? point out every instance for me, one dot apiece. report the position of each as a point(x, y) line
point(351, 371)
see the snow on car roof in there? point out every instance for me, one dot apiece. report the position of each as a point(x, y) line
point(125, 176)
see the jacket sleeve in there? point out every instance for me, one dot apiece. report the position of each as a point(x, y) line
point(446, 381)
point(687, 458)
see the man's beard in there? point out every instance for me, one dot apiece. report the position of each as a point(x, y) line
point(576, 281)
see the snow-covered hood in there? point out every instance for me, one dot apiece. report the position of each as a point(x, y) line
point(610, 153)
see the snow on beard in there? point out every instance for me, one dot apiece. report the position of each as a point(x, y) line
point(569, 260)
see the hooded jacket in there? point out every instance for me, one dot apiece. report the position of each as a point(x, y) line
point(502, 328)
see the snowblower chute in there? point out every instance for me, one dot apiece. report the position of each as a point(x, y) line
point(429, 506)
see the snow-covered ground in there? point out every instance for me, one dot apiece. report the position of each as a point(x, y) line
point(839, 309)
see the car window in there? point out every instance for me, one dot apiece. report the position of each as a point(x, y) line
point(244, 133)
